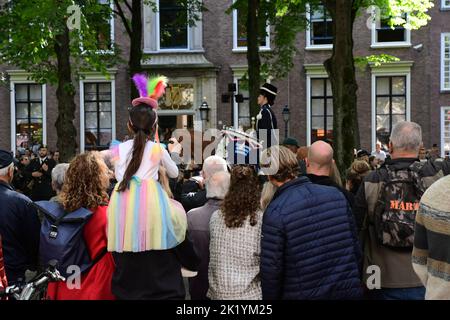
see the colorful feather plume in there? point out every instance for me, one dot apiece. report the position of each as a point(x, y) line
point(140, 80)
point(156, 87)
point(153, 88)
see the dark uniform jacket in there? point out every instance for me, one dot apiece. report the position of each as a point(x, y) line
point(42, 186)
point(20, 229)
point(267, 121)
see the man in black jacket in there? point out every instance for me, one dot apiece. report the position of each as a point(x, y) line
point(41, 171)
point(19, 225)
point(319, 164)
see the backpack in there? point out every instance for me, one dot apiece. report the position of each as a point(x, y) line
point(397, 205)
point(62, 237)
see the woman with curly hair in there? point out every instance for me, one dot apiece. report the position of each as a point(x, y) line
point(85, 186)
point(235, 232)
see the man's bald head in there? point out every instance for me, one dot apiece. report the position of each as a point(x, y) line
point(320, 158)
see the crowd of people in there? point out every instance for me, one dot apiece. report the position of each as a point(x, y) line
point(236, 231)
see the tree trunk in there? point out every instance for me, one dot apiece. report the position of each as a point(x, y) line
point(134, 63)
point(65, 94)
point(341, 70)
point(254, 62)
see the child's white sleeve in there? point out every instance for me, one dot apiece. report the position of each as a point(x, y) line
point(169, 165)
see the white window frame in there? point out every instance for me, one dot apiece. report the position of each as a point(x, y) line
point(445, 6)
point(444, 111)
point(235, 33)
point(158, 35)
point(443, 35)
point(402, 69)
point(18, 77)
point(398, 44)
point(310, 46)
point(313, 71)
point(96, 77)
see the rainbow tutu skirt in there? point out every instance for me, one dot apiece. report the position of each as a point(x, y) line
point(144, 218)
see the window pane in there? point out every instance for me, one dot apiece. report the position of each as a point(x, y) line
point(317, 87)
point(317, 107)
point(104, 87)
point(317, 122)
point(329, 123)
point(173, 25)
point(21, 92)
point(389, 35)
point(105, 106)
point(329, 107)
point(397, 119)
point(383, 123)
point(22, 110)
point(399, 105)
point(321, 33)
point(329, 89)
point(398, 85)
point(382, 85)
point(446, 62)
point(91, 120)
point(36, 92)
point(90, 138)
point(36, 110)
point(242, 31)
point(383, 105)
point(90, 88)
point(105, 137)
point(105, 120)
point(383, 129)
point(90, 106)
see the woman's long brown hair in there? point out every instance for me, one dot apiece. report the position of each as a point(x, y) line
point(142, 122)
point(243, 197)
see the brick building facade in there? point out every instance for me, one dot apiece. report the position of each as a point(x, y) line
point(201, 61)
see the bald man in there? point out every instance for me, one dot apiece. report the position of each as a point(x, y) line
point(319, 164)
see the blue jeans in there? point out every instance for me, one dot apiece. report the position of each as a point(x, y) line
point(417, 293)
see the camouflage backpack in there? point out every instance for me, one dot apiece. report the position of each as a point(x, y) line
point(397, 205)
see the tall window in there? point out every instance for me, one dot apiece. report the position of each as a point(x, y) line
point(29, 115)
point(97, 115)
point(390, 105)
point(240, 32)
point(445, 4)
point(445, 61)
point(173, 25)
point(320, 28)
point(321, 109)
point(445, 130)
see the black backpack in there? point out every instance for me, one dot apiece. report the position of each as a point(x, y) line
point(397, 206)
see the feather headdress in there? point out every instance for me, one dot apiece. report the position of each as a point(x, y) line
point(150, 90)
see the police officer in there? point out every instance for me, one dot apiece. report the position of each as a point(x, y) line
point(40, 169)
point(266, 119)
point(19, 225)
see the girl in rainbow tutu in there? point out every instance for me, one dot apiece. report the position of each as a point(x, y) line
point(146, 229)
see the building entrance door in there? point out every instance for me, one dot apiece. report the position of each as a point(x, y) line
point(169, 123)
